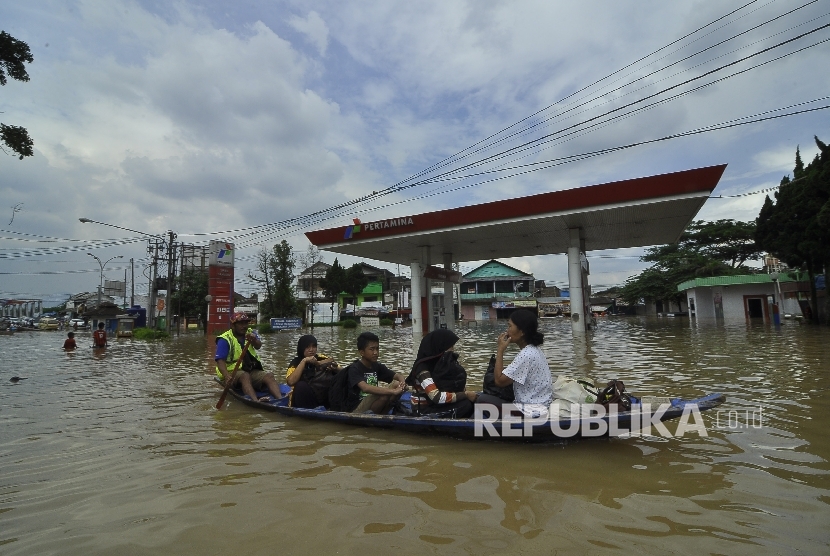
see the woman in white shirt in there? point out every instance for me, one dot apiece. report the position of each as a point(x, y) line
point(528, 372)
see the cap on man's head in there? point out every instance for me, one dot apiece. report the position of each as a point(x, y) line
point(239, 317)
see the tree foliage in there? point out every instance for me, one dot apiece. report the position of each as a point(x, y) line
point(796, 227)
point(339, 280)
point(335, 280)
point(14, 54)
point(276, 276)
point(704, 249)
point(356, 280)
point(191, 289)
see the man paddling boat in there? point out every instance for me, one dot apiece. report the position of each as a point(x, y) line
point(250, 376)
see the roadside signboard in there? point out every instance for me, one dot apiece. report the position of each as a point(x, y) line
point(220, 288)
point(514, 304)
point(286, 323)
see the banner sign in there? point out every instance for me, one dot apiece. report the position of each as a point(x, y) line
point(286, 323)
point(513, 304)
point(442, 274)
point(115, 288)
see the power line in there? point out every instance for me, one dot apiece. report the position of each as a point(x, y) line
point(67, 249)
point(278, 229)
point(439, 164)
point(528, 168)
point(448, 159)
point(501, 155)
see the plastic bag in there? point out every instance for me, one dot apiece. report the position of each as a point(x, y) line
point(567, 391)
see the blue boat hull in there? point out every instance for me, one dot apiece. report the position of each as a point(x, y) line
point(553, 429)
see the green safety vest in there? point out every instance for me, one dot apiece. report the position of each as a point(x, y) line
point(235, 351)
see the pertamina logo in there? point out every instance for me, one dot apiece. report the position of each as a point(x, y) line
point(351, 230)
point(379, 225)
point(228, 250)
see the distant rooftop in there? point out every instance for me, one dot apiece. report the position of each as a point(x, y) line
point(495, 269)
point(731, 281)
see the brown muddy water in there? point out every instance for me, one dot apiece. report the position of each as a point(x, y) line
point(124, 453)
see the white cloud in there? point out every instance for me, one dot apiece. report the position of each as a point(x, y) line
point(781, 159)
point(200, 118)
point(314, 28)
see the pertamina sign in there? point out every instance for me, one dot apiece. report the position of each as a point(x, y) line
point(220, 286)
point(353, 230)
point(221, 253)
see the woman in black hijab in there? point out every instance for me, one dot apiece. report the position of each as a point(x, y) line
point(438, 380)
point(310, 374)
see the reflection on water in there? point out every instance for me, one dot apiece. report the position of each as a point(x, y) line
point(123, 452)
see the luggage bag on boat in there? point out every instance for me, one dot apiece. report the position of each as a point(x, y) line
point(568, 391)
point(614, 395)
point(503, 392)
point(339, 391)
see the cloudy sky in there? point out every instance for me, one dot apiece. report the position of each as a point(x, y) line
point(212, 116)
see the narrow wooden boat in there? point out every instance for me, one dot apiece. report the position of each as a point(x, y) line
point(644, 418)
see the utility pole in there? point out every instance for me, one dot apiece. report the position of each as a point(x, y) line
point(153, 250)
point(179, 307)
point(132, 284)
point(171, 269)
point(312, 297)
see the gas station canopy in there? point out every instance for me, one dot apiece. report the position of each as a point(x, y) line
point(630, 213)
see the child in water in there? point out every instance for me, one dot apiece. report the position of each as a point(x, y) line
point(69, 343)
point(99, 337)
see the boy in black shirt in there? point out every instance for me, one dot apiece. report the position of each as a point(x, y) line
point(364, 392)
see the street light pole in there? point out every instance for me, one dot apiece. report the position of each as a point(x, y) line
point(154, 250)
point(102, 265)
point(87, 220)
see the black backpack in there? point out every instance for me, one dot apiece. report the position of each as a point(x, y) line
point(447, 373)
point(339, 391)
point(503, 392)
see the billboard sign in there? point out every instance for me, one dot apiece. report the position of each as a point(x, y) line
point(286, 323)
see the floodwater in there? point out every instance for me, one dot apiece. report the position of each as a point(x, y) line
point(124, 453)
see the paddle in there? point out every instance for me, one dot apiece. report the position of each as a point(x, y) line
point(229, 381)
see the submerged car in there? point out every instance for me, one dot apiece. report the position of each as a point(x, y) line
point(48, 323)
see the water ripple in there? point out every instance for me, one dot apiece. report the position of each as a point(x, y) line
point(123, 452)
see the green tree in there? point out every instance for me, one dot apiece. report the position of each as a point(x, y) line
point(276, 276)
point(14, 54)
point(356, 280)
point(795, 228)
point(717, 248)
point(189, 297)
point(335, 281)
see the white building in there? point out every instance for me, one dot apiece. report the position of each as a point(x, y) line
point(749, 296)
